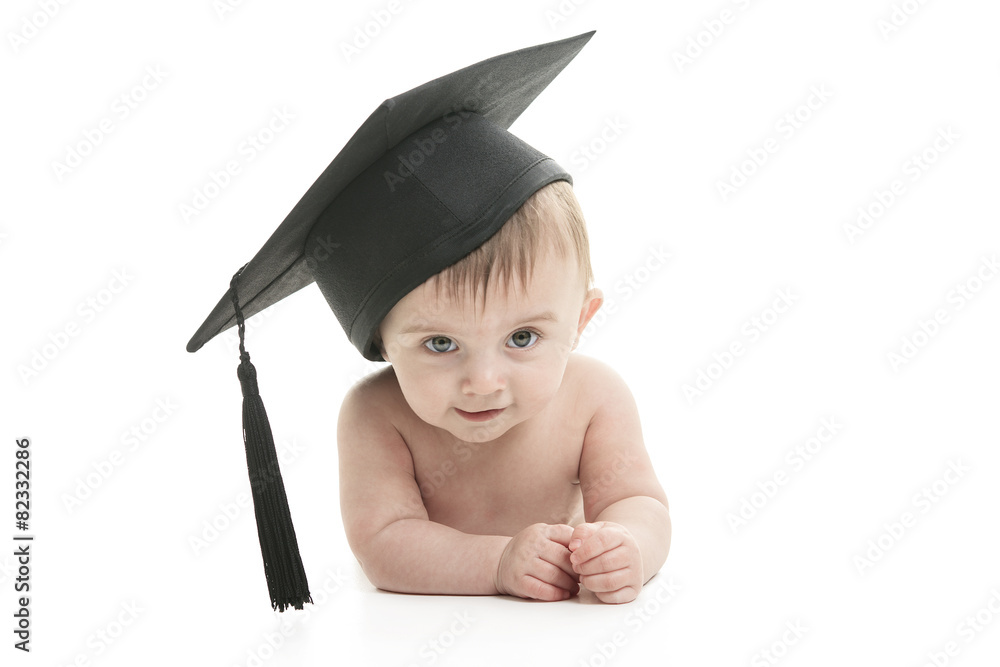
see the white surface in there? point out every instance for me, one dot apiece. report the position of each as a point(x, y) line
point(678, 132)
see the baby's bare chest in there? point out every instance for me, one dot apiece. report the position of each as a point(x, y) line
point(500, 487)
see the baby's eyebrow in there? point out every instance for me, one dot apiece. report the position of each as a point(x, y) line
point(434, 327)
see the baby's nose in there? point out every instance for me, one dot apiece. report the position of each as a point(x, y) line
point(483, 375)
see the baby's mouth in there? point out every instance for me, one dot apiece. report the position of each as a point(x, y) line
point(481, 416)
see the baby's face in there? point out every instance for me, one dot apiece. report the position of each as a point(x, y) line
point(477, 369)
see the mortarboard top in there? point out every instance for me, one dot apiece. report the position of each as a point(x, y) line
point(430, 176)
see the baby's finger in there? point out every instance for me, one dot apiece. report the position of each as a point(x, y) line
point(595, 545)
point(553, 574)
point(580, 535)
point(606, 582)
point(614, 559)
point(558, 555)
point(559, 532)
point(537, 589)
point(626, 594)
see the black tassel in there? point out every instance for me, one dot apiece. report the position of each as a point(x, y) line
point(286, 578)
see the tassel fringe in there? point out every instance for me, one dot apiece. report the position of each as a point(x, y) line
point(286, 577)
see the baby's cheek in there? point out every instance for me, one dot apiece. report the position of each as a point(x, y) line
point(545, 384)
point(420, 397)
point(428, 407)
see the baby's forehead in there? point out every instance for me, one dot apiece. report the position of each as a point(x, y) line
point(442, 297)
point(440, 301)
point(552, 290)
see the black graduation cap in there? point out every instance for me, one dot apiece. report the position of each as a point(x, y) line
point(427, 178)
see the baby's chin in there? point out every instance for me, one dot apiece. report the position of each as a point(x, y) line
point(479, 432)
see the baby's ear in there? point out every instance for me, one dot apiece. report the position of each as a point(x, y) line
point(591, 304)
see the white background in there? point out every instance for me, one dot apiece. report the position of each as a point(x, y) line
point(662, 134)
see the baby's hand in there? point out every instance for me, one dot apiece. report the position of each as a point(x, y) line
point(607, 558)
point(536, 564)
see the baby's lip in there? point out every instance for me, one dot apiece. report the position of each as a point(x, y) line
point(481, 415)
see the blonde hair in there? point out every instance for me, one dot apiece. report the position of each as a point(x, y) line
point(550, 219)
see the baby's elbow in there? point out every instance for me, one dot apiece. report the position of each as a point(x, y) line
point(372, 566)
point(375, 574)
point(373, 555)
point(384, 574)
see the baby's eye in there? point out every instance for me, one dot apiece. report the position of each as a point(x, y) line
point(523, 338)
point(440, 344)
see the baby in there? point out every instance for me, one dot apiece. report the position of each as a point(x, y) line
point(487, 458)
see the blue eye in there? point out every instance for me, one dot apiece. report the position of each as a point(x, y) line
point(523, 339)
point(440, 344)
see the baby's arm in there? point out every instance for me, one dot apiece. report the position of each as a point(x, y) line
point(401, 550)
point(386, 523)
point(627, 537)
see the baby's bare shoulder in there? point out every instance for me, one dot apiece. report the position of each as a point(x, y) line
point(377, 395)
point(593, 377)
point(590, 384)
point(378, 384)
